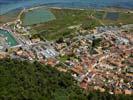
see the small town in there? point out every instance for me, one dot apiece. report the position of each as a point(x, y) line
point(66, 49)
point(99, 59)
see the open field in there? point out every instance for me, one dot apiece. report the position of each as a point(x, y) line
point(64, 19)
point(69, 17)
point(53, 23)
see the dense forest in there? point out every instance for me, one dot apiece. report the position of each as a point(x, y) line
point(22, 80)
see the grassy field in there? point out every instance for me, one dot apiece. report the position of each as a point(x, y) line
point(68, 17)
point(64, 19)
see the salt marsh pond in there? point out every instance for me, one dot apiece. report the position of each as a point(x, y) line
point(37, 16)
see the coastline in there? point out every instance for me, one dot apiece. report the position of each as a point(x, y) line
point(108, 8)
point(105, 9)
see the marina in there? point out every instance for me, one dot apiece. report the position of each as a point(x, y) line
point(7, 36)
